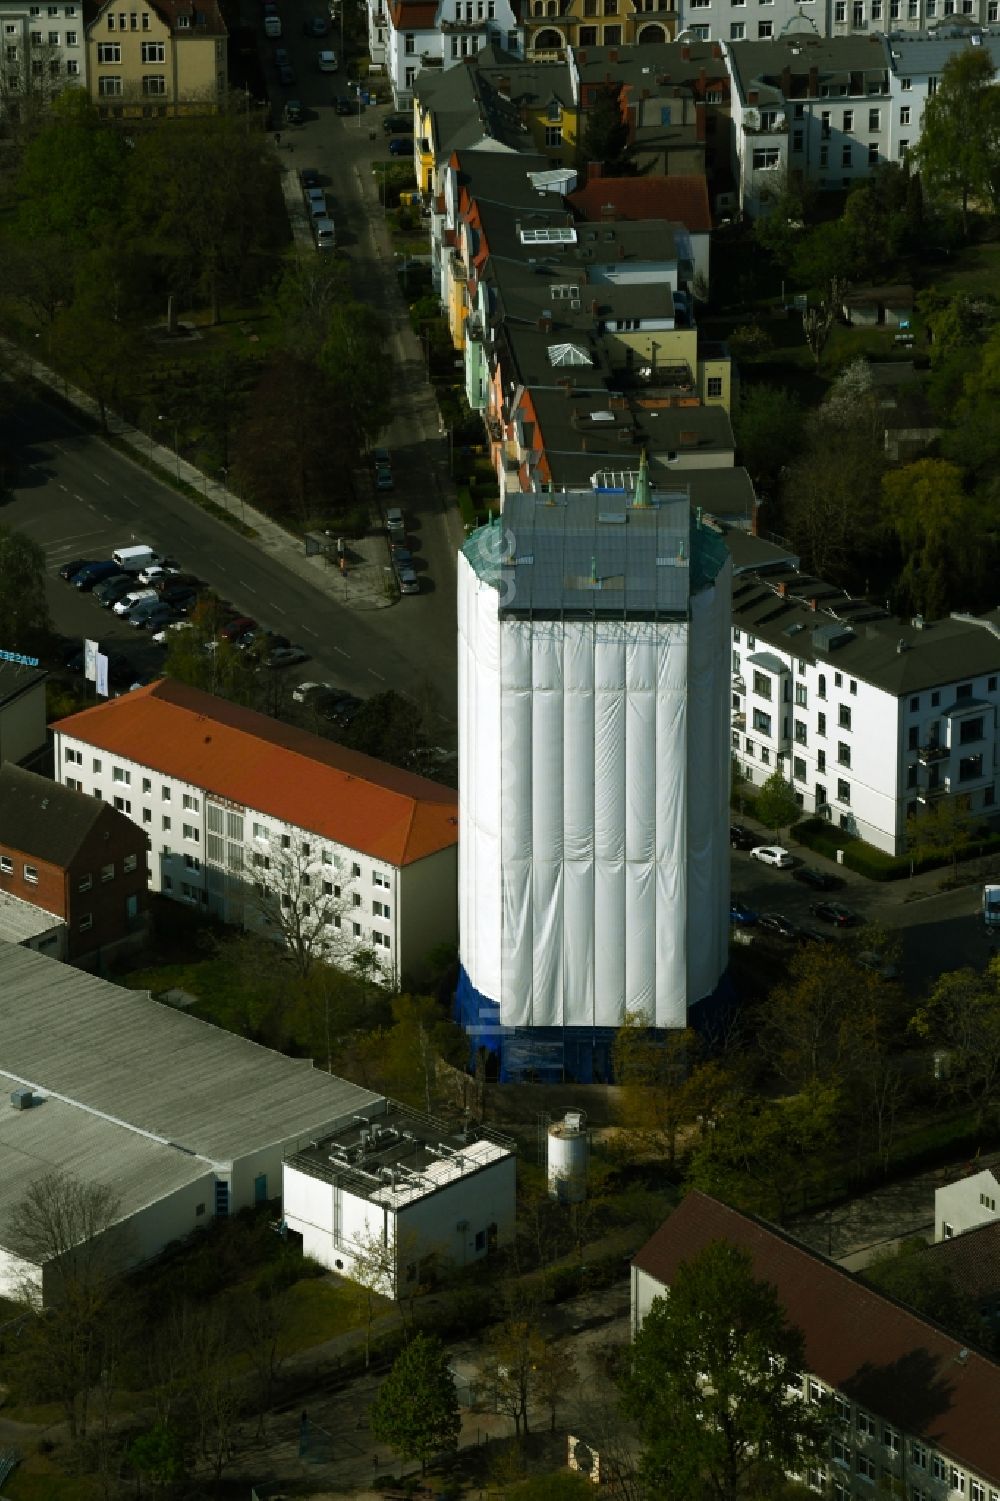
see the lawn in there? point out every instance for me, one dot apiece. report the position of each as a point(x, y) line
point(319, 1309)
point(220, 999)
point(975, 269)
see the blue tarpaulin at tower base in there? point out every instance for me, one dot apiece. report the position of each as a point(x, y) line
point(556, 1055)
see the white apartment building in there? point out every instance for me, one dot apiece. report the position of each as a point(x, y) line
point(44, 51)
point(760, 20)
point(966, 1204)
point(422, 34)
point(912, 1411)
point(917, 63)
point(808, 109)
point(869, 717)
point(392, 1194)
point(270, 827)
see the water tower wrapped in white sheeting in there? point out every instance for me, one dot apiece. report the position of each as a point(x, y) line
point(594, 666)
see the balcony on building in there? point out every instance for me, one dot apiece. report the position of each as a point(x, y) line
point(458, 271)
point(739, 683)
point(466, 28)
point(935, 751)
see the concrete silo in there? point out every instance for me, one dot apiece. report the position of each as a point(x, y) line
point(594, 666)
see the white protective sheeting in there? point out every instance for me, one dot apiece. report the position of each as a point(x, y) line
point(479, 791)
point(708, 770)
point(594, 855)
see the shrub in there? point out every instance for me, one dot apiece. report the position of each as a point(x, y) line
point(865, 860)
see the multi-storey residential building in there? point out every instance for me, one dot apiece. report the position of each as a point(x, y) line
point(808, 110)
point(868, 716)
point(270, 827)
point(167, 57)
point(80, 861)
point(423, 34)
point(740, 21)
point(553, 26)
point(44, 51)
point(917, 63)
point(912, 1410)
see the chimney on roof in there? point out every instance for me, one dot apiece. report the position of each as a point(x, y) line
point(545, 322)
point(613, 55)
point(687, 439)
point(813, 603)
point(814, 83)
point(702, 78)
point(786, 80)
point(608, 213)
point(782, 588)
point(752, 97)
point(686, 53)
point(716, 50)
point(594, 169)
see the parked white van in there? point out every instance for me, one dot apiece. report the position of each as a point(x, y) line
point(326, 234)
point(135, 559)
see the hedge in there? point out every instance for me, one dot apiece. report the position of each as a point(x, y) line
point(865, 860)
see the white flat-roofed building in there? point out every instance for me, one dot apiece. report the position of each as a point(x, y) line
point(184, 1121)
point(966, 1204)
point(243, 812)
point(393, 1192)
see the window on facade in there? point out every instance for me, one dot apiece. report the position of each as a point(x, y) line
point(356, 929)
point(85, 882)
point(31, 874)
point(970, 730)
point(798, 769)
point(848, 121)
point(714, 385)
point(189, 802)
point(840, 1452)
point(109, 52)
point(86, 922)
point(130, 863)
point(123, 805)
point(355, 870)
point(765, 158)
point(970, 768)
point(843, 791)
point(844, 717)
point(846, 156)
point(761, 722)
point(801, 736)
point(356, 899)
point(553, 135)
point(147, 815)
point(165, 794)
point(918, 1455)
point(864, 1466)
point(153, 52)
point(737, 31)
point(843, 753)
point(761, 685)
point(108, 872)
point(165, 822)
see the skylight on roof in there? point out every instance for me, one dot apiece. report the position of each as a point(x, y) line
point(553, 234)
point(568, 354)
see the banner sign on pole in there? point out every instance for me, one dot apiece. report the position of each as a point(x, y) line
point(90, 650)
point(102, 674)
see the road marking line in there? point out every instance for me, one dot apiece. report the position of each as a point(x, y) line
point(376, 674)
point(101, 478)
point(245, 585)
point(343, 653)
point(278, 608)
point(310, 632)
point(62, 487)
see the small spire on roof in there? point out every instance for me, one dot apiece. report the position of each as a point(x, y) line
point(641, 498)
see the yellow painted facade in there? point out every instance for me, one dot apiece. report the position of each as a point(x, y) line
point(140, 63)
point(553, 25)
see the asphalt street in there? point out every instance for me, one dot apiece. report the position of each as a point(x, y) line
point(78, 497)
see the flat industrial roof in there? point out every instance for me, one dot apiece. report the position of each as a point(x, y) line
point(21, 920)
point(131, 1059)
point(57, 1136)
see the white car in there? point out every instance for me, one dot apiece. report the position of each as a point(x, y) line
point(157, 571)
point(127, 601)
point(305, 691)
point(771, 854)
point(176, 625)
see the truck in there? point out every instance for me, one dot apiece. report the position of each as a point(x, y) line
point(134, 559)
point(991, 908)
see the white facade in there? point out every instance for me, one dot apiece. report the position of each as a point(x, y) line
point(593, 874)
point(966, 1204)
point(917, 64)
point(417, 36)
point(870, 718)
point(239, 862)
point(377, 1204)
point(44, 51)
point(740, 21)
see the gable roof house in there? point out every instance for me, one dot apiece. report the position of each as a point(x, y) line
point(913, 1410)
point(233, 800)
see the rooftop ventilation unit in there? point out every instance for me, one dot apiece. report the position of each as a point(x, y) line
point(21, 1099)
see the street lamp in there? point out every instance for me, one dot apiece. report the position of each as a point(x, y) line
point(177, 450)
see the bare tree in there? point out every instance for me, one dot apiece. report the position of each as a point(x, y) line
point(375, 1274)
point(301, 901)
point(70, 1231)
point(263, 1321)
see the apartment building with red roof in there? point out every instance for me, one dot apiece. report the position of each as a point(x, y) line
point(914, 1413)
point(268, 826)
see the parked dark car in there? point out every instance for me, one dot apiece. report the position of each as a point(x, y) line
point(234, 629)
point(70, 570)
point(96, 573)
point(813, 935)
point(773, 922)
point(398, 125)
point(741, 838)
point(111, 590)
point(180, 601)
point(342, 106)
point(172, 581)
point(836, 913)
point(819, 880)
point(308, 178)
point(315, 26)
point(400, 146)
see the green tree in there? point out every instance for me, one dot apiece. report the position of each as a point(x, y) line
point(959, 149)
point(918, 1279)
point(714, 1385)
point(962, 1017)
point(944, 828)
point(940, 531)
point(353, 359)
point(416, 1409)
point(158, 1456)
point(776, 804)
point(769, 432)
point(72, 177)
point(23, 606)
point(605, 132)
point(96, 351)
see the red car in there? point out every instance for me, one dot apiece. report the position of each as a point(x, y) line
point(234, 629)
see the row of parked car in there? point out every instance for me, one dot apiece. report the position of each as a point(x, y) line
point(154, 594)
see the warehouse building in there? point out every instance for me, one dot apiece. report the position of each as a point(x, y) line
point(594, 771)
point(182, 1120)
